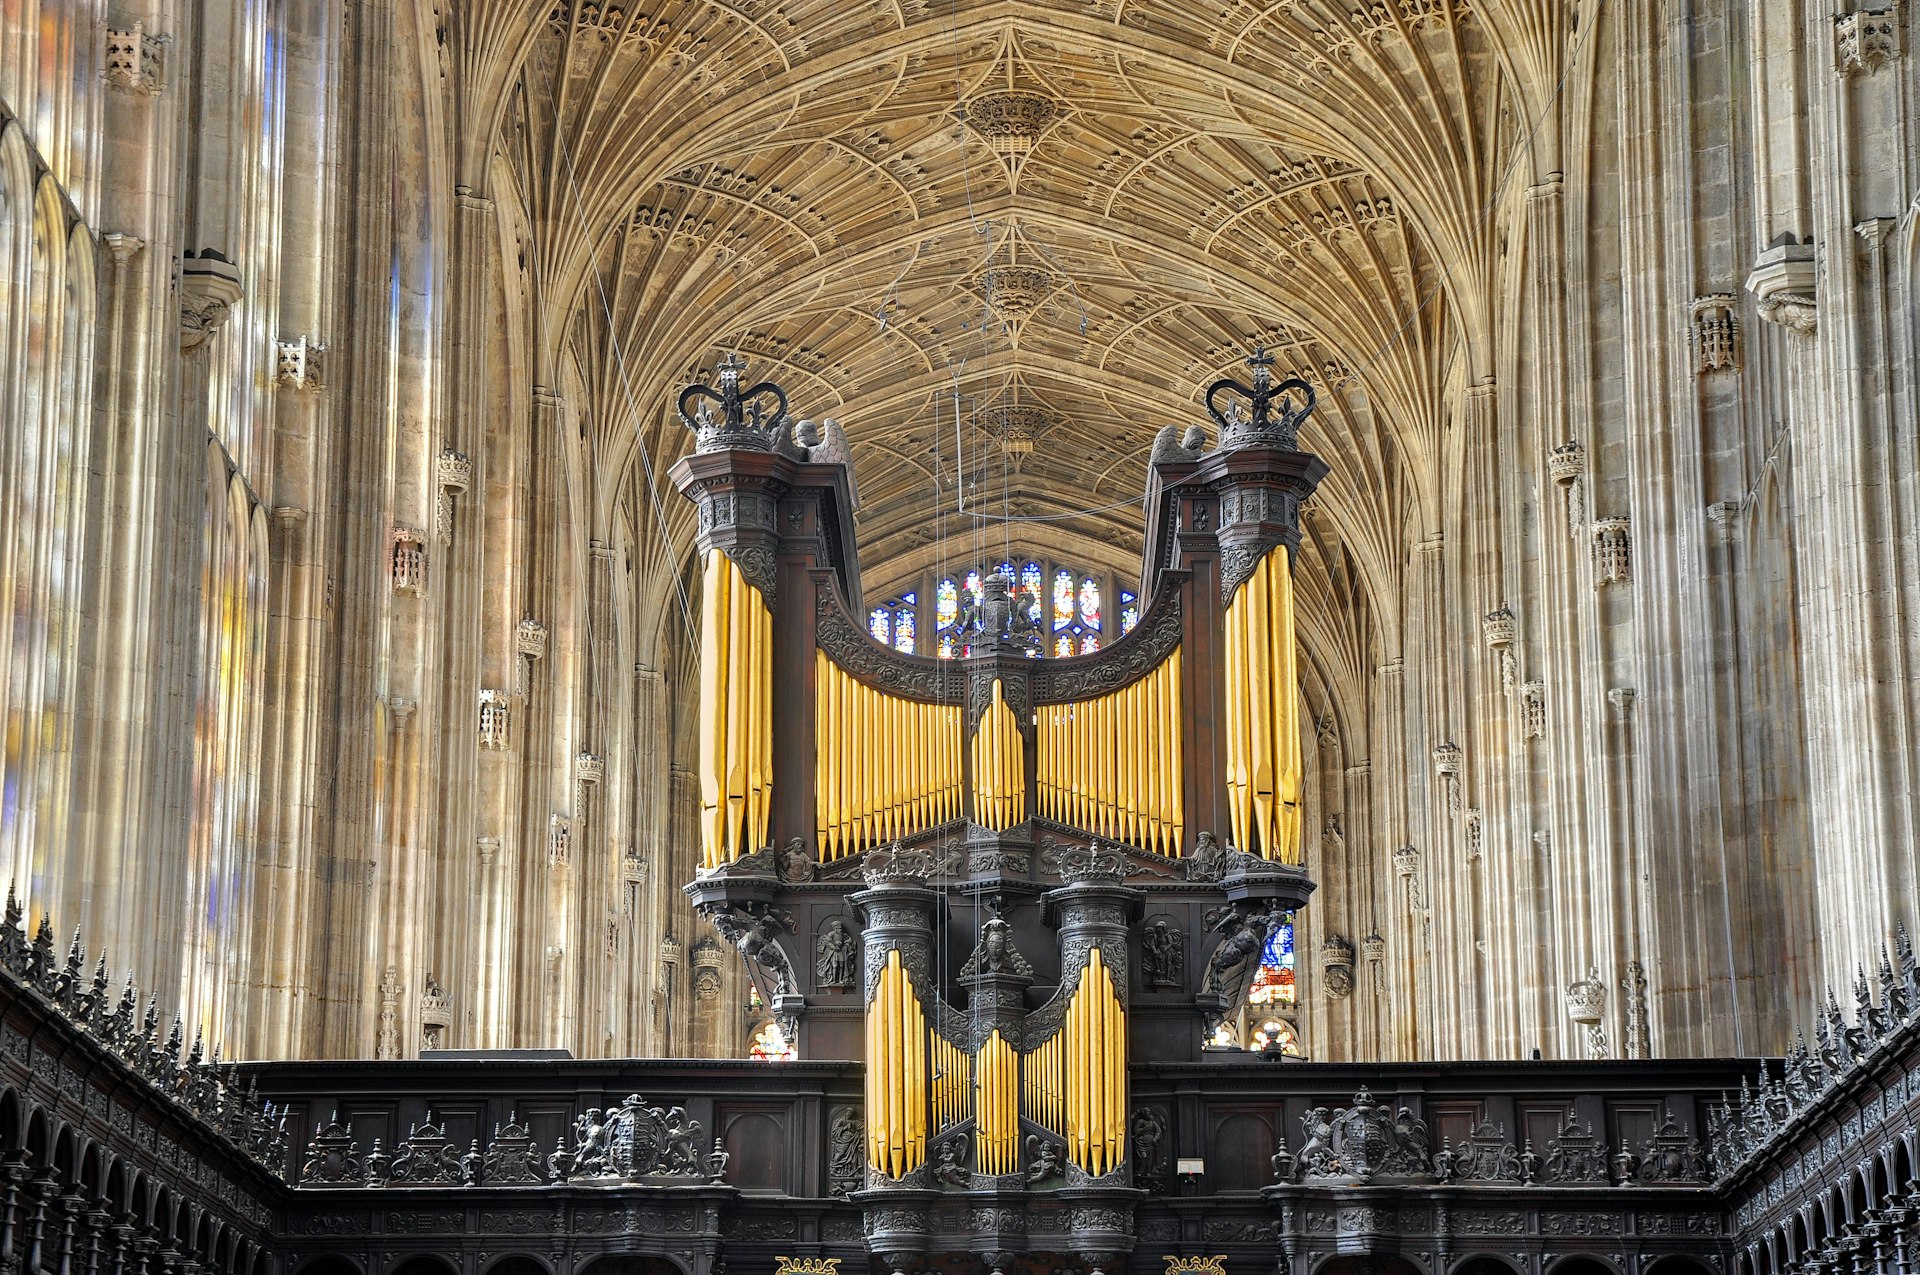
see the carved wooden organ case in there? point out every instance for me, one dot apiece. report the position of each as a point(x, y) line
point(999, 880)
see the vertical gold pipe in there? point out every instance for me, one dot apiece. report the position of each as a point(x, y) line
point(1290, 688)
point(1157, 756)
point(1130, 761)
point(713, 690)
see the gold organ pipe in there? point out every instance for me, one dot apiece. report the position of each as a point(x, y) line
point(1095, 1038)
point(735, 750)
point(1264, 768)
point(886, 767)
point(1111, 765)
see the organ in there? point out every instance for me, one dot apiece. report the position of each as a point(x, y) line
point(1001, 830)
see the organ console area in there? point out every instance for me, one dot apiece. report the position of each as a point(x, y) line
point(998, 829)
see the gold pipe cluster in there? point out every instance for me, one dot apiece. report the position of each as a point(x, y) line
point(1096, 1033)
point(885, 767)
point(736, 713)
point(952, 1084)
point(896, 1073)
point(1263, 730)
point(1113, 765)
point(999, 767)
point(1046, 1084)
point(998, 1128)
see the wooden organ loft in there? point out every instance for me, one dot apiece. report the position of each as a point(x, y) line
point(943, 867)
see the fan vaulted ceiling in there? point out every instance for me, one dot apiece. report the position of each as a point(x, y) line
point(945, 220)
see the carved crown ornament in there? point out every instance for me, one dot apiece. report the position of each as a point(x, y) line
point(1010, 121)
point(1263, 414)
point(1014, 292)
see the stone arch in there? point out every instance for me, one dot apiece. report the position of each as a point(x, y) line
point(423, 1264)
point(1485, 1264)
point(635, 1264)
point(517, 1264)
point(1799, 1241)
point(1676, 1264)
point(13, 1121)
point(1581, 1264)
point(1342, 1264)
point(330, 1264)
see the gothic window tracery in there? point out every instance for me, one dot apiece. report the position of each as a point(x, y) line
point(770, 1044)
point(1065, 604)
point(1269, 1020)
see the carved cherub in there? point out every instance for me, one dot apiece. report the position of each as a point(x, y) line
point(1046, 1158)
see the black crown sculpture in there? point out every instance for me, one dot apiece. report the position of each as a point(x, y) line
point(1274, 413)
point(743, 419)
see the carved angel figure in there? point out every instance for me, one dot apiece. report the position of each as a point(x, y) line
point(995, 953)
point(755, 936)
point(950, 1162)
point(1046, 1158)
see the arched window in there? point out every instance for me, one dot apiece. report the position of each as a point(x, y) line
point(770, 1044)
point(1272, 1000)
point(895, 622)
point(1063, 605)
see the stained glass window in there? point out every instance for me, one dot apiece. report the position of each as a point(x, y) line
point(770, 1044)
point(895, 623)
point(1129, 612)
point(1275, 993)
point(1058, 609)
point(1090, 602)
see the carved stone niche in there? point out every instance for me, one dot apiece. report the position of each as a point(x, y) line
point(1533, 711)
point(1612, 552)
point(706, 969)
point(1498, 629)
point(1782, 281)
point(496, 716)
point(559, 840)
point(1567, 467)
point(453, 475)
point(436, 1015)
point(1714, 334)
point(300, 364)
point(134, 60)
point(1336, 966)
point(409, 562)
point(1866, 39)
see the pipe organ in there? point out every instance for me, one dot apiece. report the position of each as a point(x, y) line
point(1109, 764)
point(736, 736)
point(884, 766)
point(999, 831)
